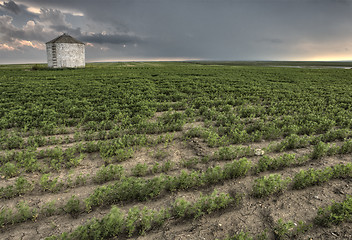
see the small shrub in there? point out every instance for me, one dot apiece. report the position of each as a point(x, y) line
point(37, 67)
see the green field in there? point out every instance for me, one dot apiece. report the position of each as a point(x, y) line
point(167, 150)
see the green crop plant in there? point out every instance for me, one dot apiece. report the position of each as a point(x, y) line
point(24, 212)
point(6, 217)
point(320, 150)
point(73, 206)
point(9, 170)
point(13, 142)
point(292, 142)
point(81, 179)
point(237, 168)
point(140, 170)
point(267, 163)
point(346, 147)
point(20, 187)
point(167, 166)
point(231, 153)
point(268, 185)
point(48, 184)
point(108, 173)
point(283, 230)
point(204, 205)
point(155, 168)
point(240, 236)
point(132, 188)
point(49, 208)
point(335, 213)
point(310, 177)
point(342, 170)
point(160, 155)
point(190, 163)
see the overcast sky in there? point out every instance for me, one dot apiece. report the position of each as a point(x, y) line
point(118, 30)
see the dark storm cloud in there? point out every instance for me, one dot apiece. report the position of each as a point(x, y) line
point(208, 29)
point(11, 6)
point(111, 38)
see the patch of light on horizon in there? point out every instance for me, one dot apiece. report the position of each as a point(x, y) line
point(330, 58)
point(34, 10)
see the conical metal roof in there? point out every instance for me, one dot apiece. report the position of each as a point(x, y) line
point(65, 38)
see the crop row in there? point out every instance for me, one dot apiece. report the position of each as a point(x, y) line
point(113, 172)
point(116, 150)
point(333, 214)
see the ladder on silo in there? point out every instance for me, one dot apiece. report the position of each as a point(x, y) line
point(53, 51)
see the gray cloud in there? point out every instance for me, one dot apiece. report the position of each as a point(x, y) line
point(111, 38)
point(53, 17)
point(31, 31)
point(11, 6)
point(208, 29)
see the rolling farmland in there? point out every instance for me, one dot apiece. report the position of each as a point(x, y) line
point(175, 151)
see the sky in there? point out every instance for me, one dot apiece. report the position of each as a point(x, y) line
point(158, 30)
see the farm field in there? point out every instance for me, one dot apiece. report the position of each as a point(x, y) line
point(167, 150)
